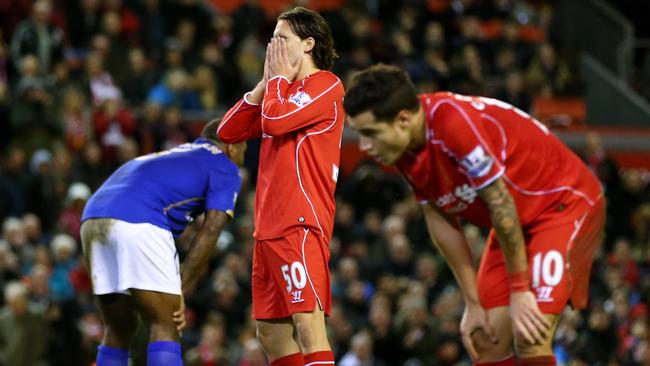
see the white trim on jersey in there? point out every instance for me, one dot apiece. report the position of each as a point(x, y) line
point(549, 191)
point(504, 138)
point(228, 117)
point(298, 165)
point(304, 263)
point(476, 133)
point(301, 107)
point(180, 203)
point(248, 101)
point(578, 225)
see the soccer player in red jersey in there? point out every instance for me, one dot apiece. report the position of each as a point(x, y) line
point(297, 110)
point(489, 163)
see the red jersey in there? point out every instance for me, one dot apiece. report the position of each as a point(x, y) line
point(301, 126)
point(472, 141)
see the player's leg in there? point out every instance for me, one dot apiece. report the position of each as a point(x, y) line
point(312, 336)
point(494, 296)
point(309, 315)
point(117, 310)
point(120, 319)
point(149, 270)
point(276, 338)
point(501, 353)
point(292, 280)
point(275, 328)
point(538, 354)
point(560, 261)
point(157, 308)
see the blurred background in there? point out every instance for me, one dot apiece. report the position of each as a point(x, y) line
point(86, 85)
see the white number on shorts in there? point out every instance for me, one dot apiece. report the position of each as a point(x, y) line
point(550, 267)
point(296, 277)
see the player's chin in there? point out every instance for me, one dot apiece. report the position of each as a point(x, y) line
point(385, 160)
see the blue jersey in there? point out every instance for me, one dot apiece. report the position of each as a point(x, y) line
point(169, 188)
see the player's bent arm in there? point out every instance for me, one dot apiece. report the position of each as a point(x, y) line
point(242, 121)
point(505, 220)
point(281, 115)
point(446, 234)
point(202, 248)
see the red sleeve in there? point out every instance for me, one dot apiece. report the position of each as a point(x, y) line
point(311, 104)
point(241, 122)
point(457, 129)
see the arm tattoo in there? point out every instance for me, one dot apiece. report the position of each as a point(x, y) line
point(505, 220)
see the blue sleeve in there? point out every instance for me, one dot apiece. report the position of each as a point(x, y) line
point(224, 186)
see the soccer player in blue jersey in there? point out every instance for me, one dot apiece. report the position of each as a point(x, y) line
point(128, 232)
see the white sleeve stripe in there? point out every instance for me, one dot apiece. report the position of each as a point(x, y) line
point(301, 107)
point(223, 123)
point(279, 77)
point(578, 193)
point(469, 123)
point(247, 101)
point(504, 138)
point(496, 176)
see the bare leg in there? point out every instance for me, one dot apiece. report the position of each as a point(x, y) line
point(276, 337)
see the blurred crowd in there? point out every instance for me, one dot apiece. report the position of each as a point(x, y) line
point(87, 85)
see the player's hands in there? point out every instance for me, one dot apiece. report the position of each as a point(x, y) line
point(528, 322)
point(475, 320)
point(179, 316)
point(278, 60)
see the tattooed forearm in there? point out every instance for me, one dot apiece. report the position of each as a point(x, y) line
point(505, 221)
point(202, 248)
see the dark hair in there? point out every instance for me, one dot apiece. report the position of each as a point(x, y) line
point(307, 23)
point(381, 89)
point(210, 129)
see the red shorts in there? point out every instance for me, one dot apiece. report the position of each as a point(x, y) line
point(291, 275)
point(559, 264)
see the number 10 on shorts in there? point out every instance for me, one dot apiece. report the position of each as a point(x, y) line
point(548, 267)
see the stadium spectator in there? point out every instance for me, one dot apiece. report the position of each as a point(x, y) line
point(69, 221)
point(140, 78)
point(23, 330)
point(173, 90)
point(36, 36)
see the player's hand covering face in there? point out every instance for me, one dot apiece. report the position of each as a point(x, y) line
point(385, 142)
point(284, 54)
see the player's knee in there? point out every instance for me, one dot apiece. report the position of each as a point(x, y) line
point(311, 334)
point(163, 331)
point(489, 351)
point(119, 333)
point(264, 335)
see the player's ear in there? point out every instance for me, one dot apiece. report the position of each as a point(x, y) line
point(403, 118)
point(308, 44)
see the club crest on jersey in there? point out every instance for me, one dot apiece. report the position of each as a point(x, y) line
point(477, 163)
point(300, 98)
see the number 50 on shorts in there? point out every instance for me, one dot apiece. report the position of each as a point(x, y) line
point(295, 275)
